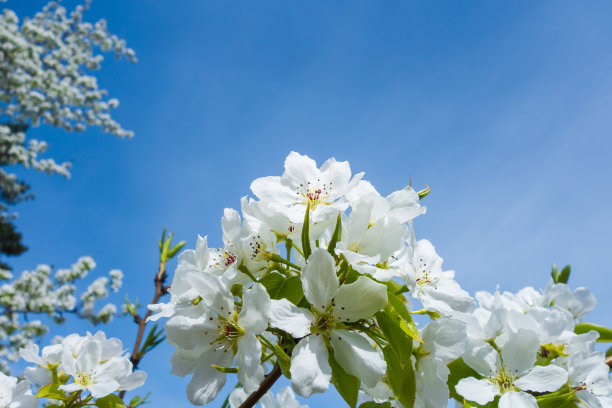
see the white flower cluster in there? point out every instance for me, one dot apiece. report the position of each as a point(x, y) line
point(83, 363)
point(311, 279)
point(284, 399)
point(45, 78)
point(38, 293)
point(45, 60)
point(15, 393)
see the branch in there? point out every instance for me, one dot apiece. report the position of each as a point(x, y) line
point(609, 361)
point(160, 290)
point(263, 387)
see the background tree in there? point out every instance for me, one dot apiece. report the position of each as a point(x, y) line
point(46, 65)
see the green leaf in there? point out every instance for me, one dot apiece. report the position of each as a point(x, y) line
point(565, 274)
point(136, 401)
point(346, 384)
point(272, 282)
point(372, 404)
point(407, 323)
point(605, 334)
point(400, 379)
point(458, 370)
point(227, 370)
point(291, 289)
point(306, 234)
point(110, 401)
point(560, 276)
point(284, 361)
point(567, 400)
point(173, 251)
point(609, 352)
point(336, 236)
point(51, 391)
point(389, 323)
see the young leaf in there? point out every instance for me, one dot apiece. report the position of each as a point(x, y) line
point(346, 384)
point(400, 379)
point(605, 334)
point(398, 339)
point(372, 404)
point(336, 236)
point(565, 274)
point(284, 361)
point(110, 401)
point(458, 370)
point(306, 234)
point(407, 324)
point(567, 400)
point(51, 391)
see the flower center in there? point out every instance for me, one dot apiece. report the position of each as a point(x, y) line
point(425, 277)
point(83, 378)
point(504, 380)
point(258, 249)
point(314, 194)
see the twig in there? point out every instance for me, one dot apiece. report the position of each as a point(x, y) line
point(265, 385)
point(160, 290)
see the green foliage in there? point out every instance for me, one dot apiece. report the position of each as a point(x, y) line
point(284, 361)
point(560, 276)
point(390, 324)
point(372, 404)
point(154, 338)
point(458, 370)
point(306, 234)
point(336, 236)
point(605, 334)
point(400, 378)
point(406, 323)
point(136, 401)
point(346, 384)
point(110, 401)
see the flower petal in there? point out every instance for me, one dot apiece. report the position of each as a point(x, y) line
point(519, 353)
point(214, 292)
point(512, 399)
point(319, 279)
point(360, 299)
point(479, 391)
point(255, 312)
point(294, 320)
point(357, 356)
point(207, 381)
point(250, 371)
point(310, 370)
point(543, 379)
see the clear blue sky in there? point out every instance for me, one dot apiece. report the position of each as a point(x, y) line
point(503, 108)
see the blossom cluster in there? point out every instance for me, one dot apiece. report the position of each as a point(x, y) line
point(314, 278)
point(41, 293)
point(74, 372)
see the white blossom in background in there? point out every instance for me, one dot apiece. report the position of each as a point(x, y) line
point(41, 293)
point(47, 66)
point(15, 393)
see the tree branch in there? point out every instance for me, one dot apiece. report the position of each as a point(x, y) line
point(160, 290)
point(264, 387)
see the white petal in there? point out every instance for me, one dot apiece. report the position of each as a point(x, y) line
point(271, 189)
point(250, 371)
point(360, 299)
point(255, 312)
point(214, 292)
point(30, 354)
point(512, 399)
point(357, 356)
point(543, 379)
point(299, 169)
point(319, 279)
point(103, 388)
point(519, 353)
point(71, 387)
point(132, 381)
point(237, 397)
point(208, 381)
point(479, 391)
point(310, 370)
point(286, 316)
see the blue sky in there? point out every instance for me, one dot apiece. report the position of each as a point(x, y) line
point(503, 108)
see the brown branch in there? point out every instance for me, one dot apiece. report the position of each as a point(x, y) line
point(160, 290)
point(264, 387)
point(609, 361)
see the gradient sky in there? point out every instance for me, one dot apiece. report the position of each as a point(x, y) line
point(503, 108)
